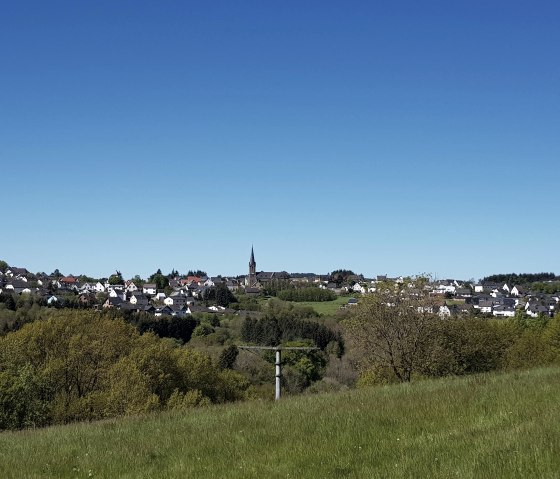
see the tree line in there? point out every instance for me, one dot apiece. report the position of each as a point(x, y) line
point(275, 331)
point(523, 278)
point(306, 294)
point(396, 335)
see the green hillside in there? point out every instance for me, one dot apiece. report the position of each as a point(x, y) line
point(480, 426)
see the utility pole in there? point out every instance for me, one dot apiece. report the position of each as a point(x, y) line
point(278, 360)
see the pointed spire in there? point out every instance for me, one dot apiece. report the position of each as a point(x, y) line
point(252, 260)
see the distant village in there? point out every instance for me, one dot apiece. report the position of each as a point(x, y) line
point(183, 295)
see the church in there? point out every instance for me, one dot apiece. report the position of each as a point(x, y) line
point(256, 280)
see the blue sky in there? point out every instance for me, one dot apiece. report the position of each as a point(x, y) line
point(385, 137)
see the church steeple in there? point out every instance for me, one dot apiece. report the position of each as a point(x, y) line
point(252, 259)
point(252, 278)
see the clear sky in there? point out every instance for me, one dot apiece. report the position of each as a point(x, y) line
point(384, 137)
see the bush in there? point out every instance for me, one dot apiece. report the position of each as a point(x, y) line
point(82, 365)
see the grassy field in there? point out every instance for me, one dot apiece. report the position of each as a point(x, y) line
point(326, 308)
point(494, 426)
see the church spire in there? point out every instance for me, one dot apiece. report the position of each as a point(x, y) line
point(252, 278)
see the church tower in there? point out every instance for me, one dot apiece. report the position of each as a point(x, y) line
point(252, 278)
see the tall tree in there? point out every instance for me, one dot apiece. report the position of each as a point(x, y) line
point(391, 328)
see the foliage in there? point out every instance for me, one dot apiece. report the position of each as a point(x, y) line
point(203, 329)
point(224, 297)
point(391, 328)
point(161, 281)
point(227, 357)
point(198, 273)
point(306, 294)
point(247, 303)
point(116, 278)
point(340, 276)
point(283, 322)
point(165, 326)
point(546, 287)
point(273, 287)
point(82, 365)
point(523, 278)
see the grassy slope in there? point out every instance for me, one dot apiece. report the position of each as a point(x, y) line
point(482, 426)
point(326, 308)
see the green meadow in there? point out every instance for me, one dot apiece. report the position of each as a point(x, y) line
point(326, 308)
point(494, 426)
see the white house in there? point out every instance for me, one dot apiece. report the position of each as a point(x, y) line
point(517, 291)
point(149, 288)
point(358, 288)
point(485, 306)
point(113, 293)
point(503, 311)
point(138, 298)
point(445, 287)
point(99, 287)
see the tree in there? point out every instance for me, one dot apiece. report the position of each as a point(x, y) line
point(10, 303)
point(391, 328)
point(340, 276)
point(116, 278)
point(3, 266)
point(161, 281)
point(56, 274)
point(224, 297)
point(227, 357)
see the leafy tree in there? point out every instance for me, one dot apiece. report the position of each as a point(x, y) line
point(227, 357)
point(224, 297)
point(10, 303)
point(391, 328)
point(161, 281)
point(340, 276)
point(86, 279)
point(3, 266)
point(116, 278)
point(203, 329)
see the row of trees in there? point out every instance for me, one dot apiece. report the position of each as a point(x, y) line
point(548, 287)
point(522, 278)
point(275, 331)
point(306, 294)
point(396, 336)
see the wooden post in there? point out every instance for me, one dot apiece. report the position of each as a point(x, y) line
point(278, 374)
